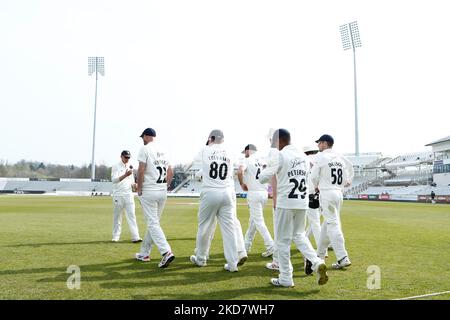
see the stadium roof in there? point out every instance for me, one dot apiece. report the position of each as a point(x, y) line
point(439, 141)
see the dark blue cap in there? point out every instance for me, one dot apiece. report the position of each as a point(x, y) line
point(327, 138)
point(149, 132)
point(126, 153)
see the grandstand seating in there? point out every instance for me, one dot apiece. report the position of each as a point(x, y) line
point(379, 163)
point(363, 159)
point(439, 191)
point(3, 182)
point(410, 159)
point(411, 190)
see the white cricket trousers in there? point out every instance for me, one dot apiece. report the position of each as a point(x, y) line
point(153, 205)
point(256, 202)
point(241, 248)
point(291, 227)
point(313, 216)
point(121, 204)
point(240, 242)
point(275, 249)
point(221, 204)
point(331, 203)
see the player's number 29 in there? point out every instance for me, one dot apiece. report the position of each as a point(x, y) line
point(300, 186)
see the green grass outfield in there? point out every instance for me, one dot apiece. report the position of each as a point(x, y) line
point(40, 236)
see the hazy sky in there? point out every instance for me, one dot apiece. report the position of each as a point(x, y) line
point(186, 67)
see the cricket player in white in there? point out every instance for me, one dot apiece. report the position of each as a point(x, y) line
point(217, 199)
point(291, 173)
point(330, 175)
point(313, 215)
point(122, 194)
point(154, 174)
point(257, 195)
point(199, 177)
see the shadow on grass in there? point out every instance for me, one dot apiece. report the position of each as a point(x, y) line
point(37, 245)
point(131, 274)
point(232, 294)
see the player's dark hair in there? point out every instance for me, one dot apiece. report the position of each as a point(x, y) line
point(284, 135)
point(281, 135)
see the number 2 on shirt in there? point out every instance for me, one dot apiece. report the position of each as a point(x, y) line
point(297, 186)
point(162, 174)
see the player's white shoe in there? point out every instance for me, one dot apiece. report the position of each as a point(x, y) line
point(141, 257)
point(322, 276)
point(230, 269)
point(268, 253)
point(115, 240)
point(198, 264)
point(272, 266)
point(207, 255)
point(276, 282)
point(166, 260)
point(344, 262)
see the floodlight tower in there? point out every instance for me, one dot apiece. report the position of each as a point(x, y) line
point(97, 65)
point(351, 40)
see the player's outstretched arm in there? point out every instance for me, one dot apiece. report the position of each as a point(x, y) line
point(267, 174)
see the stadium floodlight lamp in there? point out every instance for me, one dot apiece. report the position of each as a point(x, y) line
point(95, 65)
point(351, 40)
point(345, 37)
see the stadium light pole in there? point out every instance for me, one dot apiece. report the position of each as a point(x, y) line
point(97, 65)
point(351, 40)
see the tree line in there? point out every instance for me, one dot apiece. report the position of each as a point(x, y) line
point(40, 170)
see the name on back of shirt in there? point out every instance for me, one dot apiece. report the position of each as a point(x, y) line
point(160, 162)
point(335, 164)
point(218, 156)
point(296, 172)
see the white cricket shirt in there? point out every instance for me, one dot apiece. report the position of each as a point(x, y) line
point(331, 171)
point(291, 171)
point(155, 174)
point(252, 166)
point(121, 188)
point(216, 167)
